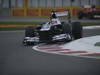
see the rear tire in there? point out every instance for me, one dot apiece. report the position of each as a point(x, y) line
point(77, 30)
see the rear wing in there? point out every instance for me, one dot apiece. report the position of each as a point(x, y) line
point(62, 13)
point(87, 6)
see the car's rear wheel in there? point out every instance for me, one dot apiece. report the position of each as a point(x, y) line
point(77, 30)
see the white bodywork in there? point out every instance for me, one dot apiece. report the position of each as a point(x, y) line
point(54, 38)
point(32, 39)
point(47, 25)
point(54, 21)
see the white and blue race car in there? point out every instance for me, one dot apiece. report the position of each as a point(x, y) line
point(52, 32)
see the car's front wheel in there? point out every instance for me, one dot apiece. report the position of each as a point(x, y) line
point(29, 32)
point(67, 30)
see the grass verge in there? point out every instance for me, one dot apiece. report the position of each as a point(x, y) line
point(20, 23)
point(97, 44)
point(23, 25)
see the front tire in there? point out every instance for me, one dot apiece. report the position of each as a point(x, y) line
point(67, 30)
point(29, 32)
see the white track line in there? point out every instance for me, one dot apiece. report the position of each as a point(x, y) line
point(91, 27)
point(83, 47)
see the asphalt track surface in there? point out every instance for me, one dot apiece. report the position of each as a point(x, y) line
point(16, 59)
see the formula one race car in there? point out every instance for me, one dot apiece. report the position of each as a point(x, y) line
point(52, 32)
point(88, 11)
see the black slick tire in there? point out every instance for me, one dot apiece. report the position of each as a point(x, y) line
point(66, 28)
point(77, 30)
point(29, 32)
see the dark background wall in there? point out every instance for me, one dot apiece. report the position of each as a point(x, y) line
point(7, 5)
